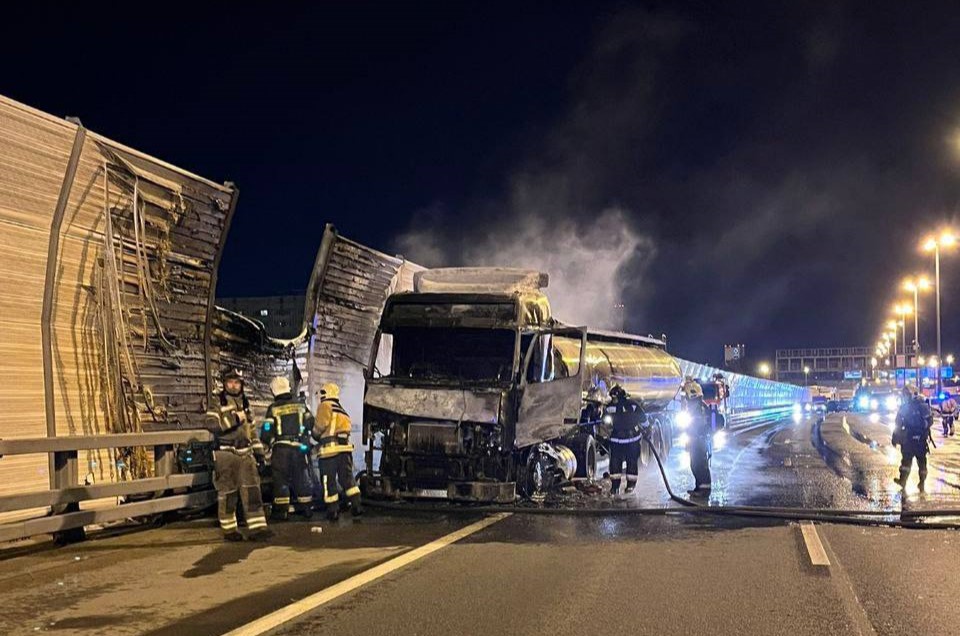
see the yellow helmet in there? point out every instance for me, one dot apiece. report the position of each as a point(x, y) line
point(330, 390)
point(693, 391)
point(279, 386)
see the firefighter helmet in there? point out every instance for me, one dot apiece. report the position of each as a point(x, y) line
point(693, 391)
point(279, 385)
point(330, 390)
point(232, 373)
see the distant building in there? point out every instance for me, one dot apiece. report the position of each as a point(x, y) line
point(281, 315)
point(827, 364)
point(735, 358)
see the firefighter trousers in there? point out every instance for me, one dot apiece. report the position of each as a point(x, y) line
point(291, 484)
point(621, 454)
point(337, 471)
point(700, 460)
point(235, 478)
point(910, 450)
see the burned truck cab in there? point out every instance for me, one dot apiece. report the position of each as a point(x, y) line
point(464, 378)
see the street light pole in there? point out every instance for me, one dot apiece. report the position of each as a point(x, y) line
point(936, 259)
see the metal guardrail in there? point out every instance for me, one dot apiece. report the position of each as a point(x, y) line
point(66, 521)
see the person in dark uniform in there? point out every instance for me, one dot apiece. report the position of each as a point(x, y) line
point(235, 457)
point(912, 434)
point(625, 438)
point(285, 430)
point(332, 430)
point(701, 431)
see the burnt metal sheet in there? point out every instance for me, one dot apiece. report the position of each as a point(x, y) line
point(436, 403)
point(134, 243)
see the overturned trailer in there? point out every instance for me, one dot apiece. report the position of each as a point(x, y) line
point(484, 393)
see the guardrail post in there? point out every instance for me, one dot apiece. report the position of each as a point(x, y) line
point(65, 465)
point(164, 460)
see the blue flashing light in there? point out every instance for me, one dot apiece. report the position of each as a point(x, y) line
point(266, 426)
point(943, 395)
point(304, 448)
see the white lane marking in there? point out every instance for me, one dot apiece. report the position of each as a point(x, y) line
point(304, 605)
point(818, 556)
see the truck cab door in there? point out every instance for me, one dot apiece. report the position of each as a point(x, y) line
point(552, 385)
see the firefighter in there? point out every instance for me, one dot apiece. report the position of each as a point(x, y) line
point(912, 434)
point(237, 451)
point(286, 428)
point(701, 431)
point(948, 413)
point(332, 430)
point(625, 438)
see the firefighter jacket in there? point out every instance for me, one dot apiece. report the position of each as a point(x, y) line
point(628, 420)
point(236, 432)
point(287, 422)
point(948, 406)
point(332, 428)
point(913, 423)
point(701, 417)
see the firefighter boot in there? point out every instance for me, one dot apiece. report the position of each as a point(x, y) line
point(261, 534)
point(902, 479)
point(615, 486)
point(356, 508)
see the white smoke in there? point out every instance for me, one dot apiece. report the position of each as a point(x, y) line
point(590, 263)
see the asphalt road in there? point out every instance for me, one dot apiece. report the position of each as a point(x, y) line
point(543, 574)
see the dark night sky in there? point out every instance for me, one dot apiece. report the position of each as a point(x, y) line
point(733, 172)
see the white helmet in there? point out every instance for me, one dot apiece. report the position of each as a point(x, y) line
point(279, 385)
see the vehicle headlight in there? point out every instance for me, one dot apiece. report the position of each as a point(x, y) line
point(863, 402)
point(684, 419)
point(892, 403)
point(807, 407)
point(683, 439)
point(608, 419)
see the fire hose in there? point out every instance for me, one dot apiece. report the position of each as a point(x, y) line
point(906, 518)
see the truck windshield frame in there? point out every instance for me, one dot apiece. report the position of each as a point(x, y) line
point(453, 355)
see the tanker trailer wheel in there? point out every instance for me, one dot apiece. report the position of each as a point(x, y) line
point(586, 452)
point(654, 442)
point(665, 430)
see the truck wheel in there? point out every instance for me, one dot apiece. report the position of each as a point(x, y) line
point(586, 451)
point(657, 441)
point(537, 476)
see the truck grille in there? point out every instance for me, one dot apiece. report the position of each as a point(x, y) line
point(433, 438)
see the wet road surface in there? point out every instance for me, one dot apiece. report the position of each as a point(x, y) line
point(559, 574)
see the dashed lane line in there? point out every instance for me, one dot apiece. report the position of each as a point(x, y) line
point(818, 556)
point(285, 614)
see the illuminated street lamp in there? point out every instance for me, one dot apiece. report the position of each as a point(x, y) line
point(763, 369)
point(933, 244)
point(806, 375)
point(920, 283)
point(949, 358)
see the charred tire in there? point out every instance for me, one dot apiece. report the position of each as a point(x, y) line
point(536, 475)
